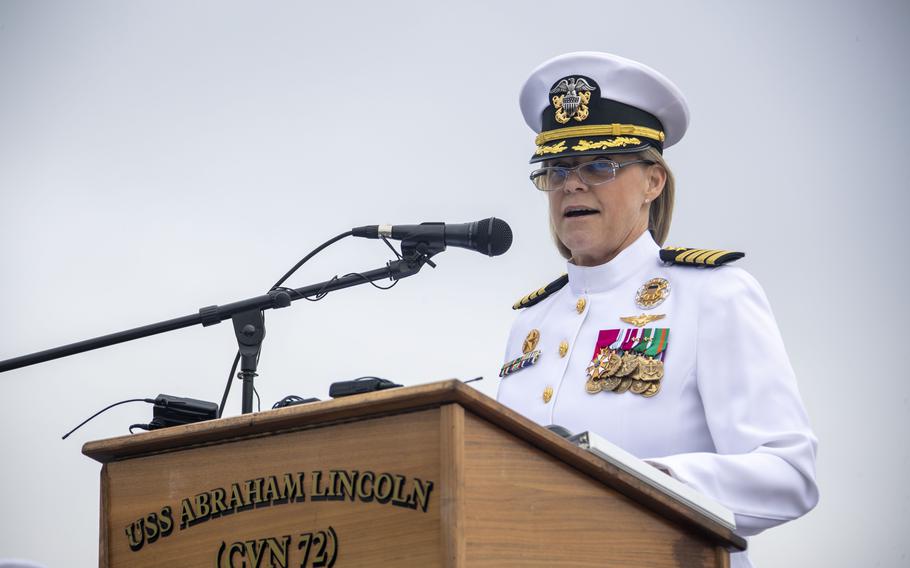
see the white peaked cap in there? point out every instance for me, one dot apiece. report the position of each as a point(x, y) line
point(617, 79)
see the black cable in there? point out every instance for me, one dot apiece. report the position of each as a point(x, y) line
point(319, 295)
point(149, 400)
point(277, 286)
point(227, 387)
point(322, 293)
point(388, 244)
point(289, 400)
point(315, 251)
point(371, 283)
point(258, 400)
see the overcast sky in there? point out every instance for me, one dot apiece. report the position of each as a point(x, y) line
point(157, 157)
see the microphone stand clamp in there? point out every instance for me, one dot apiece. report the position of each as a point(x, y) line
point(249, 327)
point(417, 252)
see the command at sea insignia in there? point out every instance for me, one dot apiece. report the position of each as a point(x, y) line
point(630, 359)
point(529, 356)
point(652, 293)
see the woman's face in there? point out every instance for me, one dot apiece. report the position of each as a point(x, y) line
point(597, 222)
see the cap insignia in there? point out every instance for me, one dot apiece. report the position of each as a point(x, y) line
point(571, 97)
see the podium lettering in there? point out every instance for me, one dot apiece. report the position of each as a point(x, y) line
point(331, 485)
point(271, 552)
point(149, 528)
point(363, 493)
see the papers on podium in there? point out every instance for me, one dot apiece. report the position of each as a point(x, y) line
point(674, 488)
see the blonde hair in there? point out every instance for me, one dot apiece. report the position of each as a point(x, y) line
point(660, 213)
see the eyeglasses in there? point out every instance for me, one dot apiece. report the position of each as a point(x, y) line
point(553, 178)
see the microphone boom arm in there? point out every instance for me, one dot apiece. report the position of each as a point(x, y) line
point(247, 316)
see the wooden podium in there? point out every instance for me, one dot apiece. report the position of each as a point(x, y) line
point(433, 475)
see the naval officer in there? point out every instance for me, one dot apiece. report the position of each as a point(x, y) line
point(673, 354)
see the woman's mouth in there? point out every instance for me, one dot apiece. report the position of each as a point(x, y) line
point(579, 212)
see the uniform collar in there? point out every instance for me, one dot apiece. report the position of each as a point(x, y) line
point(592, 279)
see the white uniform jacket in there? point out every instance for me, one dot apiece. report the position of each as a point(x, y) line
point(728, 419)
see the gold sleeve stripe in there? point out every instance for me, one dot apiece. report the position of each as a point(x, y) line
point(598, 130)
point(714, 257)
point(686, 256)
point(700, 259)
point(517, 305)
point(541, 293)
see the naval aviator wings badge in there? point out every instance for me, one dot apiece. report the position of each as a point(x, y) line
point(643, 319)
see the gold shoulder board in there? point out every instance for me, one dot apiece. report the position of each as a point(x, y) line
point(539, 295)
point(699, 257)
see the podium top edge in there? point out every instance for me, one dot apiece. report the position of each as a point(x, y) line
point(302, 416)
point(402, 400)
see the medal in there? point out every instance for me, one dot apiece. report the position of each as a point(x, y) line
point(628, 366)
point(650, 369)
point(652, 293)
point(604, 358)
point(605, 339)
point(593, 370)
point(628, 360)
point(644, 340)
point(613, 360)
point(652, 389)
point(611, 364)
point(623, 385)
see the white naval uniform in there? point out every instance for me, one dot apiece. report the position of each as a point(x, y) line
point(728, 419)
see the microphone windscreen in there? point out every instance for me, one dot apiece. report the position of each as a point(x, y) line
point(494, 236)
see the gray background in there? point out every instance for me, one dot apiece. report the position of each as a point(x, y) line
point(158, 157)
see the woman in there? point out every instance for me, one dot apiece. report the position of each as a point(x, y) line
point(715, 402)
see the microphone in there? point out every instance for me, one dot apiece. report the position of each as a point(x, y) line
point(491, 237)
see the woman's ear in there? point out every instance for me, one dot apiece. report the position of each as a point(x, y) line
point(656, 177)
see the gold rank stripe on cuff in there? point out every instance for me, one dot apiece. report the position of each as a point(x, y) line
point(540, 294)
point(599, 130)
point(699, 257)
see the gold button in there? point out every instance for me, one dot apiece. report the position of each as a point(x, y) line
point(580, 305)
point(563, 348)
point(547, 394)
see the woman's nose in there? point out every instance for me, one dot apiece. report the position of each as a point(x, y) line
point(574, 183)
